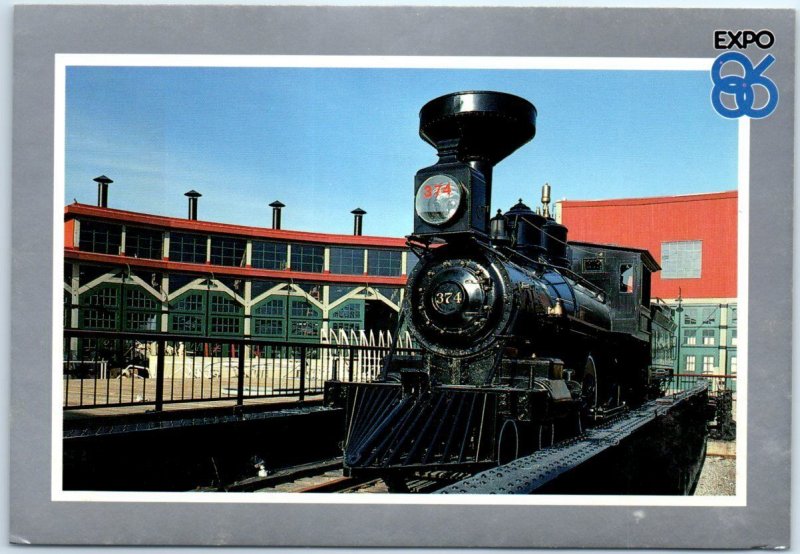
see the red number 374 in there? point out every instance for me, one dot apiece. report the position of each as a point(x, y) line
point(437, 189)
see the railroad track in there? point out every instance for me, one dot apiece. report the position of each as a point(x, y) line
point(366, 485)
point(285, 476)
point(347, 485)
point(327, 481)
point(324, 476)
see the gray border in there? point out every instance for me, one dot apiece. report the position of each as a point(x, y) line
point(42, 31)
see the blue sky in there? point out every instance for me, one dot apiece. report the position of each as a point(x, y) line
point(325, 141)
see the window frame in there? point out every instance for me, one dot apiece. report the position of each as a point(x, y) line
point(178, 244)
point(682, 259)
point(94, 234)
point(140, 242)
point(381, 262)
point(307, 258)
point(228, 251)
point(338, 266)
point(266, 322)
point(630, 270)
point(267, 254)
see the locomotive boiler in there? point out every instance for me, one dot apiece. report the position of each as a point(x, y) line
point(524, 337)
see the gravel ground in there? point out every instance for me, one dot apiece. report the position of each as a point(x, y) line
point(718, 477)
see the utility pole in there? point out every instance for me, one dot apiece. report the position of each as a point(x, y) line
point(679, 311)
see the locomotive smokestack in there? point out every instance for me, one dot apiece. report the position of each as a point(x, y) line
point(193, 196)
point(102, 190)
point(276, 213)
point(546, 200)
point(472, 132)
point(358, 216)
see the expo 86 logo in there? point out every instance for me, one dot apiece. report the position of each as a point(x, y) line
point(743, 89)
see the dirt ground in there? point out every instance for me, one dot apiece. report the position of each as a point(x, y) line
point(718, 477)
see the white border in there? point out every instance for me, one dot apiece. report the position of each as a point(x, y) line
point(399, 62)
point(742, 304)
point(428, 62)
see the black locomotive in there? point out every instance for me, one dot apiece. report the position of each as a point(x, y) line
point(525, 337)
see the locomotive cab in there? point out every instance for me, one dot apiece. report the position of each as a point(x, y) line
point(624, 274)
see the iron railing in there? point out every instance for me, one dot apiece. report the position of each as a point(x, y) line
point(109, 369)
point(717, 382)
point(106, 369)
point(719, 386)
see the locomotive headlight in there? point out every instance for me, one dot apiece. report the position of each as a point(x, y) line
point(438, 199)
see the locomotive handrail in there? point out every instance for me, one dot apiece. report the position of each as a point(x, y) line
point(600, 293)
point(661, 302)
point(579, 278)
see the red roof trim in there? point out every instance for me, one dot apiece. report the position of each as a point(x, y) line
point(705, 197)
point(167, 223)
point(71, 254)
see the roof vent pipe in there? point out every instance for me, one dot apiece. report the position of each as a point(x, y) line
point(276, 213)
point(358, 216)
point(102, 190)
point(193, 196)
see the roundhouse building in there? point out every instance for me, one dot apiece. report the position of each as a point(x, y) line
point(128, 271)
point(694, 239)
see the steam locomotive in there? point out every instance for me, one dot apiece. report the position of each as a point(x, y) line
point(526, 338)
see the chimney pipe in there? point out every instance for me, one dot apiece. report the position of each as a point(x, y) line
point(478, 129)
point(358, 214)
point(102, 190)
point(193, 196)
point(276, 213)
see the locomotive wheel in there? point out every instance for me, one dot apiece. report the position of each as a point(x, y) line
point(589, 383)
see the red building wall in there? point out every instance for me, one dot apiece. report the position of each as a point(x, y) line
point(69, 233)
point(647, 222)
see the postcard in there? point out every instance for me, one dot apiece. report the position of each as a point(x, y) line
point(356, 265)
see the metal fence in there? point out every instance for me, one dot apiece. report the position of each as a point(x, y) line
point(718, 385)
point(105, 369)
